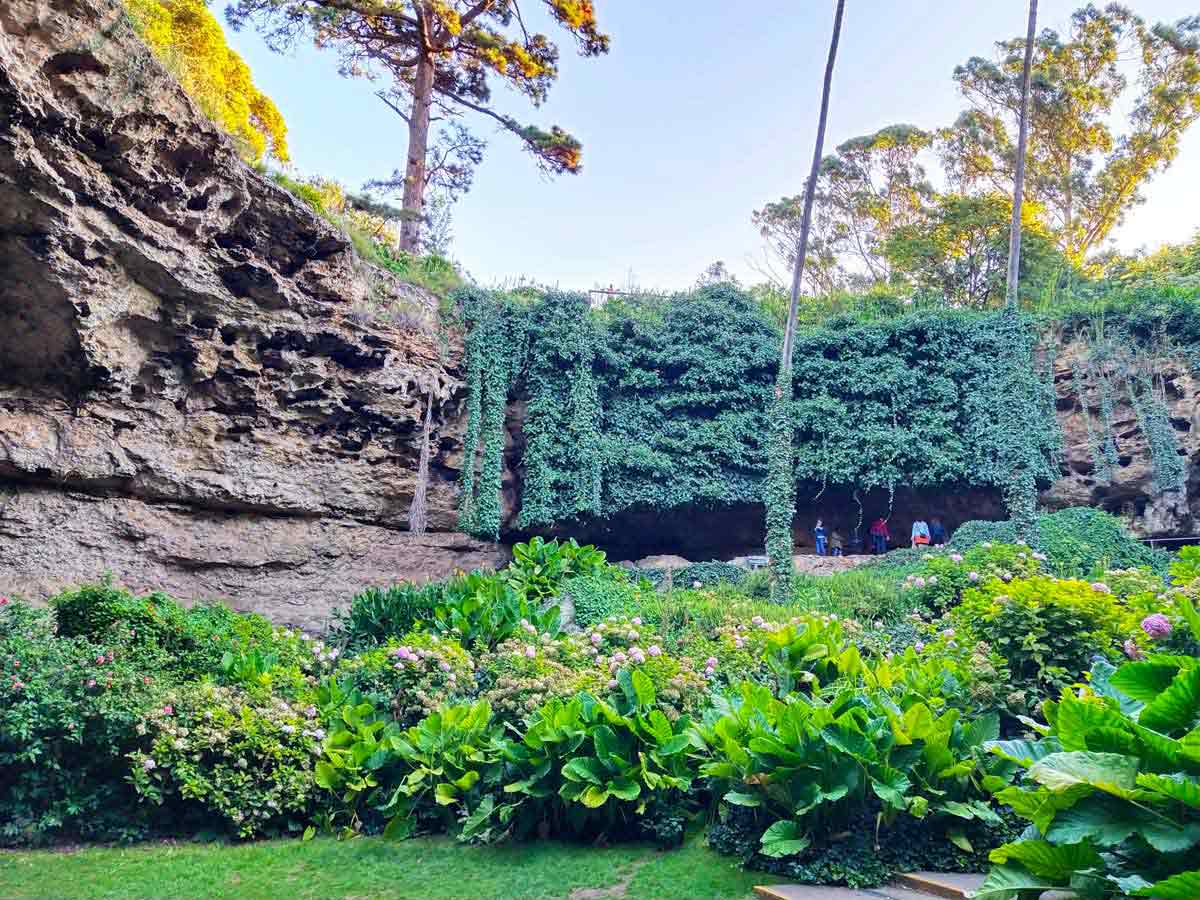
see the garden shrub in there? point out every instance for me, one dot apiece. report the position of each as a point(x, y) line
point(1082, 541)
point(1111, 787)
point(943, 577)
point(586, 767)
point(1048, 630)
point(978, 531)
point(706, 574)
point(539, 567)
point(411, 675)
point(218, 759)
point(482, 609)
point(69, 714)
point(377, 614)
point(596, 597)
point(811, 767)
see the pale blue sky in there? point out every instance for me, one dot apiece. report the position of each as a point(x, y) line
point(702, 112)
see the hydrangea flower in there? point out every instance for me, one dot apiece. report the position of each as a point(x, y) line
point(1101, 587)
point(1156, 626)
point(1132, 650)
point(148, 764)
point(972, 576)
point(956, 557)
point(654, 650)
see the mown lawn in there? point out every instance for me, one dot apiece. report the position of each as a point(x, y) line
point(368, 868)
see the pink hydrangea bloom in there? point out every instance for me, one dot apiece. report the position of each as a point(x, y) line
point(1156, 626)
point(654, 650)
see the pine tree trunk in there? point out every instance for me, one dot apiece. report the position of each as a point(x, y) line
point(418, 146)
point(1014, 236)
point(780, 495)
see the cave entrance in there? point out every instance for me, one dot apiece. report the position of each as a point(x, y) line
point(699, 533)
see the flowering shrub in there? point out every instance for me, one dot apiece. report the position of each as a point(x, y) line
point(412, 675)
point(213, 753)
point(68, 715)
point(943, 577)
point(1047, 629)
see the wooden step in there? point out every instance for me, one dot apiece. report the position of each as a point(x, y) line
point(950, 885)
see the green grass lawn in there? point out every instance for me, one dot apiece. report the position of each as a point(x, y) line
point(368, 868)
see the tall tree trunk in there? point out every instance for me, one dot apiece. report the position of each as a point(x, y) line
point(781, 491)
point(418, 147)
point(1014, 237)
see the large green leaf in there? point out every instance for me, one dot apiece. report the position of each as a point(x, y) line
point(1177, 708)
point(784, 838)
point(1109, 772)
point(890, 785)
point(585, 768)
point(1005, 883)
point(1025, 753)
point(1077, 719)
point(1107, 821)
point(982, 730)
point(742, 799)
point(1184, 886)
point(624, 788)
point(1056, 861)
point(1184, 788)
point(1143, 680)
point(845, 735)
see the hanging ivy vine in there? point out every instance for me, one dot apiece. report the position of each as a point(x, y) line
point(494, 349)
point(663, 403)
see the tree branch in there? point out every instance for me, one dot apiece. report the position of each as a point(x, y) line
point(397, 110)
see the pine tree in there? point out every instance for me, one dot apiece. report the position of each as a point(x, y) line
point(441, 57)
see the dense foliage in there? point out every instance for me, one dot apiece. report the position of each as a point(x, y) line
point(466, 707)
point(662, 403)
point(188, 40)
point(1112, 786)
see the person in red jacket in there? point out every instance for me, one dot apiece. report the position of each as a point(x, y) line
point(879, 536)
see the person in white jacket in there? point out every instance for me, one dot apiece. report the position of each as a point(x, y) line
point(920, 533)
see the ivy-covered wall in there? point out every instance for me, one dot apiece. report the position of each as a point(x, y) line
point(660, 404)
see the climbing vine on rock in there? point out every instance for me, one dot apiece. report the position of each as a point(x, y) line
point(661, 403)
point(494, 350)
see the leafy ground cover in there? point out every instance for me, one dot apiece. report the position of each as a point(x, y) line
point(427, 868)
point(816, 745)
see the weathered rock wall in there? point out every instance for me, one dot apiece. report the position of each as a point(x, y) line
point(194, 392)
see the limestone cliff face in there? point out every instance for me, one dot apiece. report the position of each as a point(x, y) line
point(194, 392)
point(1129, 492)
point(195, 395)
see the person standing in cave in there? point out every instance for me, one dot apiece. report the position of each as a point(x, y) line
point(879, 536)
point(937, 532)
point(920, 533)
point(836, 543)
point(819, 534)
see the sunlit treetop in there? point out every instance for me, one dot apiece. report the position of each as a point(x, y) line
point(471, 44)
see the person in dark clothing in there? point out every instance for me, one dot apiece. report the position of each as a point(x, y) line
point(879, 536)
point(819, 534)
point(937, 532)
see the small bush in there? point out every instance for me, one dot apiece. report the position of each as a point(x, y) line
point(596, 597)
point(1048, 630)
point(217, 759)
point(1081, 542)
point(69, 714)
point(377, 614)
point(706, 574)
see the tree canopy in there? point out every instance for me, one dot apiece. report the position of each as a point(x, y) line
point(880, 217)
point(440, 58)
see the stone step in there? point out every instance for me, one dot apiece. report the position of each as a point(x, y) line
point(913, 886)
point(950, 885)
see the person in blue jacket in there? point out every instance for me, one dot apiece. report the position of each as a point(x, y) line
point(819, 534)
